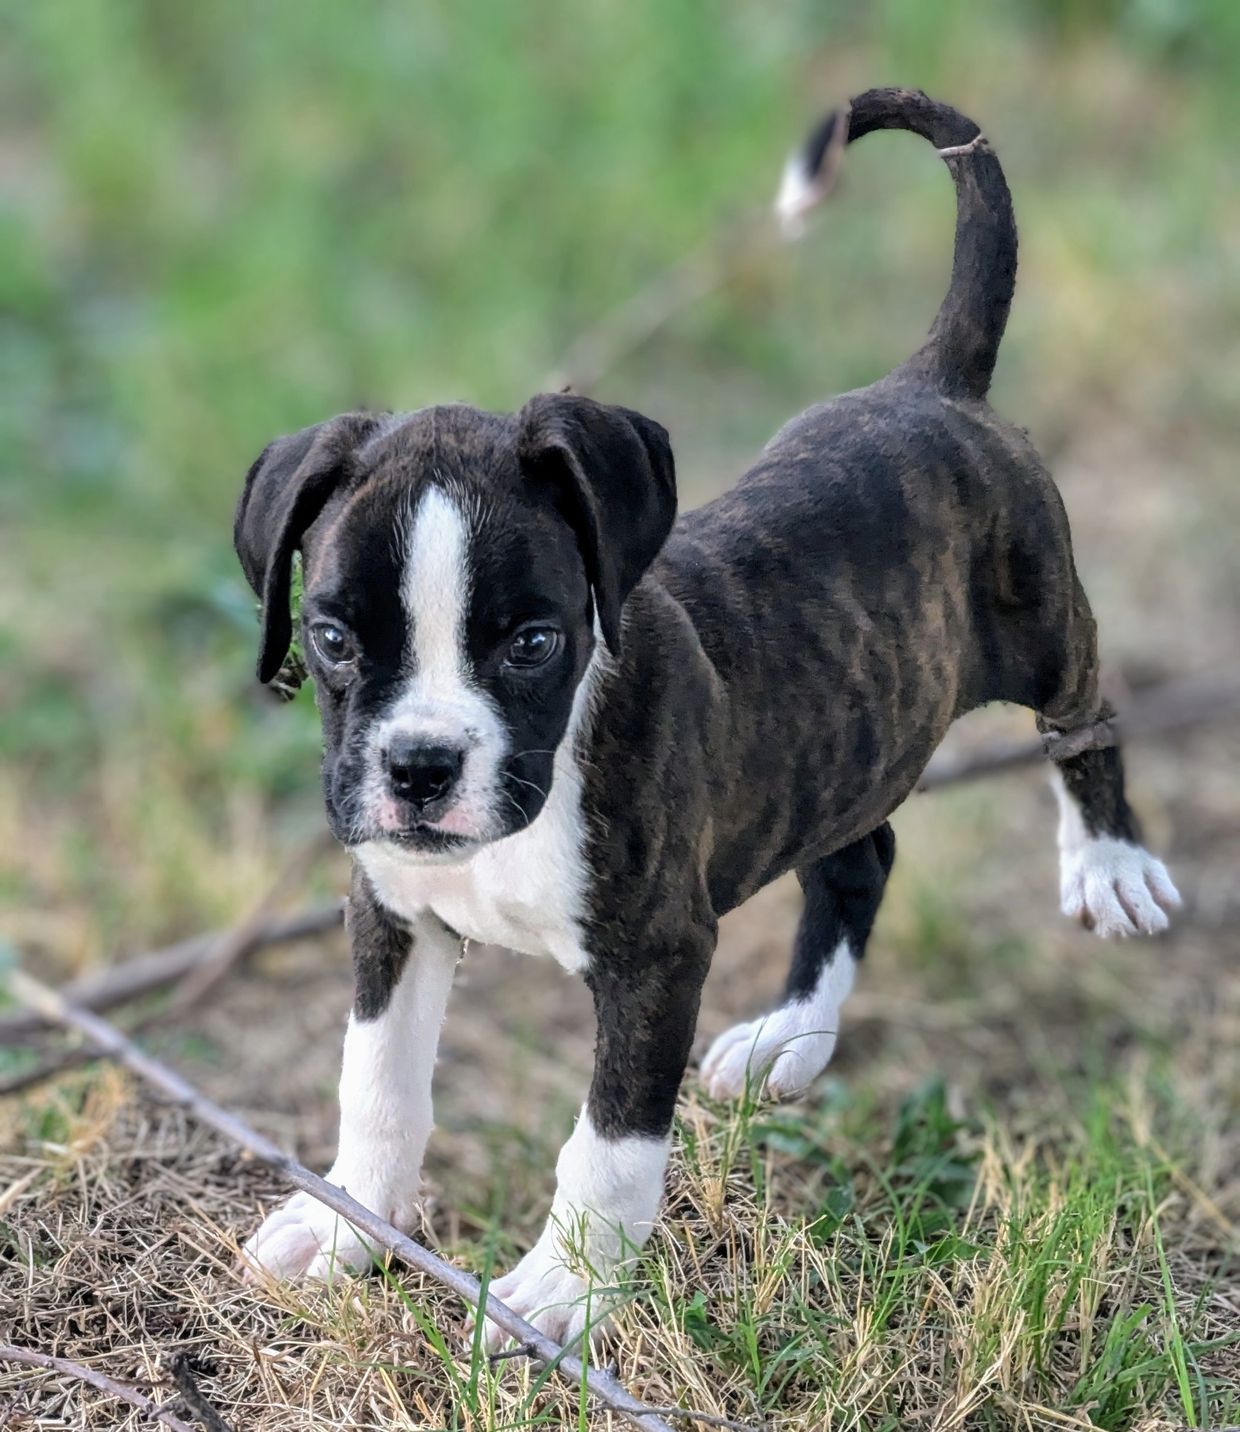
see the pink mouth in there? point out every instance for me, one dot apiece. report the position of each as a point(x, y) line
point(457, 821)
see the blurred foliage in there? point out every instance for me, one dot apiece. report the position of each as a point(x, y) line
point(225, 222)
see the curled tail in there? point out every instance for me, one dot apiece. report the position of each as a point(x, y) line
point(959, 355)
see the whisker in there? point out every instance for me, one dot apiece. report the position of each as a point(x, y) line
point(513, 803)
point(508, 776)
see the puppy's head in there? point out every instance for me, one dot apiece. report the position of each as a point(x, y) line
point(456, 566)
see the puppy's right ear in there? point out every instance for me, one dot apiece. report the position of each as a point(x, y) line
point(285, 490)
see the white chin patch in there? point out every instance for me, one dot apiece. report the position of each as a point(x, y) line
point(607, 1197)
point(786, 1050)
point(1113, 887)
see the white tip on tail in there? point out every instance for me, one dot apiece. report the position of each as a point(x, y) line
point(800, 192)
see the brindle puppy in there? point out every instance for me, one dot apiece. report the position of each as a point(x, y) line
point(556, 721)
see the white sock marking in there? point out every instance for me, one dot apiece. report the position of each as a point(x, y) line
point(791, 1046)
point(1111, 886)
point(607, 1197)
point(385, 1121)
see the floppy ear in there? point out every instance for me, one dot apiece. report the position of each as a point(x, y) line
point(614, 481)
point(285, 490)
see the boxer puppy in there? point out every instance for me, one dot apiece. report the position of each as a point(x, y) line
point(558, 719)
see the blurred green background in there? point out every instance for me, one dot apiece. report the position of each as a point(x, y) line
point(224, 221)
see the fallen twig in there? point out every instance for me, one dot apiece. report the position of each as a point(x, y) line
point(98, 1380)
point(1184, 701)
point(144, 974)
point(210, 967)
point(49, 1068)
point(205, 974)
point(110, 1041)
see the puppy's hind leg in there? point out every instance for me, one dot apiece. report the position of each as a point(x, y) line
point(792, 1045)
point(1108, 880)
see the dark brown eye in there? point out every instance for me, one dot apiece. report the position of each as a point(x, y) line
point(532, 646)
point(332, 643)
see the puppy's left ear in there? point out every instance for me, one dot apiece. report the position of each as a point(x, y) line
point(285, 490)
point(612, 477)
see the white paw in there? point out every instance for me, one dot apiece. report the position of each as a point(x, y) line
point(545, 1290)
point(790, 1047)
point(1116, 888)
point(303, 1238)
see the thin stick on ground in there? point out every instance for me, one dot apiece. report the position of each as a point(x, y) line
point(110, 1041)
point(139, 975)
point(98, 1380)
point(234, 944)
point(195, 980)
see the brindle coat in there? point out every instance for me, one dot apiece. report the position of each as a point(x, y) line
point(781, 662)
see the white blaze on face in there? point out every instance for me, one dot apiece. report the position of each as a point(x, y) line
point(435, 591)
point(441, 703)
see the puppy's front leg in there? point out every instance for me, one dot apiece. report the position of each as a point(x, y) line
point(609, 1176)
point(403, 977)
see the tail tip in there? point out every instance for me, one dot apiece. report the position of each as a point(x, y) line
point(799, 194)
point(809, 173)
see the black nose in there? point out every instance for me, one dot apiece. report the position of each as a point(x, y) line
point(422, 773)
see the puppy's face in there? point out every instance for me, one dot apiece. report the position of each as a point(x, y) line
point(447, 634)
point(457, 565)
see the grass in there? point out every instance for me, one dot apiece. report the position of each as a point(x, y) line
point(1013, 1202)
point(851, 1266)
